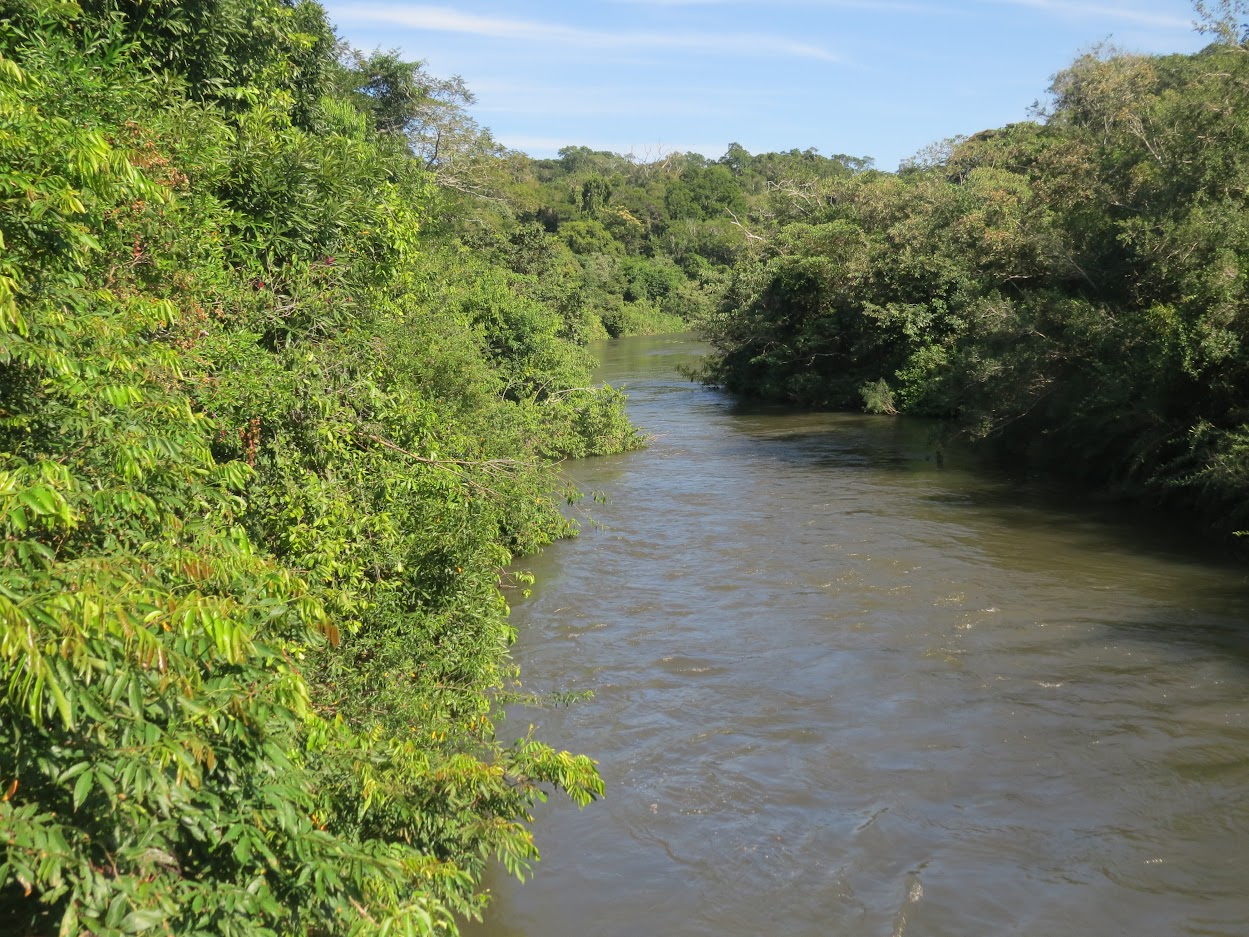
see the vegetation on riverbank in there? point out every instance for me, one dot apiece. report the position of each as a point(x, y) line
point(1074, 289)
point(270, 432)
point(290, 347)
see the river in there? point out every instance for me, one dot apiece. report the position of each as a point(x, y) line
point(846, 687)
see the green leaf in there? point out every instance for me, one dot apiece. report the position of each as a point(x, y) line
point(116, 910)
point(83, 787)
point(138, 921)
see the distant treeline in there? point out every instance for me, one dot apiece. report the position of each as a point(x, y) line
point(643, 245)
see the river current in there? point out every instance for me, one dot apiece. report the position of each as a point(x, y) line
point(845, 686)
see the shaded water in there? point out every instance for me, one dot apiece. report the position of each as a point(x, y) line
point(842, 689)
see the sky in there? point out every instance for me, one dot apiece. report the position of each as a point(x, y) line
point(870, 78)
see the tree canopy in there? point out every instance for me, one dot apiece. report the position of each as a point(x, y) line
point(269, 440)
point(1073, 289)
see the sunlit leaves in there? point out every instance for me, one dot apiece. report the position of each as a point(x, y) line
point(263, 458)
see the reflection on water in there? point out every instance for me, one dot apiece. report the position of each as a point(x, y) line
point(843, 687)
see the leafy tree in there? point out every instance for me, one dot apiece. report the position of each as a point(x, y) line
point(267, 446)
point(1069, 289)
point(595, 194)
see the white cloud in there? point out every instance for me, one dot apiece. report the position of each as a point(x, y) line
point(442, 19)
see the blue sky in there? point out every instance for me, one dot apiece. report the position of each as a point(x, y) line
point(878, 78)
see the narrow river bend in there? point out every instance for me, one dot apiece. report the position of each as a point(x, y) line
point(843, 689)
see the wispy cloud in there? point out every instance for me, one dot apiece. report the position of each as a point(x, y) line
point(1069, 8)
point(1101, 11)
point(442, 19)
point(639, 100)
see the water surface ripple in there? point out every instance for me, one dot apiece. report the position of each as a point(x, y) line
point(844, 687)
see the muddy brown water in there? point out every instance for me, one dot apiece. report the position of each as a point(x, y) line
point(843, 687)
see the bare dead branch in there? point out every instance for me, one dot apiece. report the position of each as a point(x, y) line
point(750, 235)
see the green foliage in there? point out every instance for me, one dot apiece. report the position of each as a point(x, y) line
point(391, 91)
point(878, 397)
point(1073, 290)
point(654, 240)
point(266, 449)
point(595, 194)
point(232, 52)
point(589, 237)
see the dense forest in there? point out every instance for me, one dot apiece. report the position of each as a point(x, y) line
point(1074, 289)
point(644, 245)
point(271, 432)
point(291, 348)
